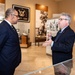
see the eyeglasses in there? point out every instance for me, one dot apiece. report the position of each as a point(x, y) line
point(15, 15)
point(62, 19)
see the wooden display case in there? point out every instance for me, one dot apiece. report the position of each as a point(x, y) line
point(25, 41)
point(39, 39)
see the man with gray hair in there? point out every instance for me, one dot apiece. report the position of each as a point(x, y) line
point(62, 43)
point(10, 52)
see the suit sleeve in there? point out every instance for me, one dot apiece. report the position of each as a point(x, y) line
point(3, 38)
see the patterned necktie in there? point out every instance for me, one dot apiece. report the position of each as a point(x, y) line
point(13, 27)
point(58, 35)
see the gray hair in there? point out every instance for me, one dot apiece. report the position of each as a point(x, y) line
point(68, 17)
point(9, 11)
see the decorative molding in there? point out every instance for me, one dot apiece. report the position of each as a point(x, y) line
point(41, 7)
point(2, 1)
point(58, 0)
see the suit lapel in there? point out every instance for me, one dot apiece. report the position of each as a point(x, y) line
point(59, 35)
point(8, 26)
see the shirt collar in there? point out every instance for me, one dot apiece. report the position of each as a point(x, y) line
point(63, 29)
point(8, 22)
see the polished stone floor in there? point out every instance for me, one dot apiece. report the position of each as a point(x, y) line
point(34, 58)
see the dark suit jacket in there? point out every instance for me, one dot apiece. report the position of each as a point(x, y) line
point(10, 53)
point(62, 48)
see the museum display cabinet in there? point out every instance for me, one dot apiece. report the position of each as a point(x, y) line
point(40, 36)
point(49, 70)
point(25, 41)
point(39, 39)
point(51, 27)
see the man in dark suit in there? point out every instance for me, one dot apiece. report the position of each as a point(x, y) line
point(62, 43)
point(10, 52)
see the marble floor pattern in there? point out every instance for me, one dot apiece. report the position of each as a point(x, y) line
point(34, 58)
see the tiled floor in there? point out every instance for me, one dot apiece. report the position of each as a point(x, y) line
point(34, 58)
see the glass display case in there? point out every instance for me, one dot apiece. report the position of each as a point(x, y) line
point(51, 27)
point(67, 68)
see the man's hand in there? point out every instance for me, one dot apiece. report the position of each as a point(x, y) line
point(49, 35)
point(47, 43)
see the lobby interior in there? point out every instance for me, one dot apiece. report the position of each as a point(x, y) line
point(35, 57)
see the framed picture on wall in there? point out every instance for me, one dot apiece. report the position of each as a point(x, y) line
point(23, 11)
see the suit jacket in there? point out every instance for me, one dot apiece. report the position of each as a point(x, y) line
point(10, 52)
point(63, 46)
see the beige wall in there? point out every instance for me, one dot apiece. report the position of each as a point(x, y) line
point(52, 8)
point(68, 6)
